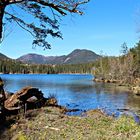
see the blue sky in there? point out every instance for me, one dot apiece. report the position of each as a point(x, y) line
point(105, 25)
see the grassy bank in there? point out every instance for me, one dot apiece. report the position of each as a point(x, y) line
point(50, 124)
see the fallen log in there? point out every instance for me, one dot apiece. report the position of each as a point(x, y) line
point(28, 96)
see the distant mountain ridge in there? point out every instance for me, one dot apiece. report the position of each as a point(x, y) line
point(2, 56)
point(75, 57)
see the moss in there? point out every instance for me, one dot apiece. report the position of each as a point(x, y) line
point(20, 136)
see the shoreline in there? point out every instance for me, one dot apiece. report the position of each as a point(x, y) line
point(51, 123)
point(135, 89)
point(44, 73)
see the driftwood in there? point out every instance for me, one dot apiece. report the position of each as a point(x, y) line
point(27, 98)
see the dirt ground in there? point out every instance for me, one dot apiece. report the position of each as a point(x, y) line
point(50, 123)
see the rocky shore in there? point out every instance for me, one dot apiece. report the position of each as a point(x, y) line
point(40, 118)
point(134, 88)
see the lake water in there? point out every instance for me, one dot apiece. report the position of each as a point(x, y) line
point(77, 92)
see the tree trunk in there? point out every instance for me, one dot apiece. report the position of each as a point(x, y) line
point(2, 100)
point(2, 8)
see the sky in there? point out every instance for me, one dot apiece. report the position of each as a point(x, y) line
point(104, 27)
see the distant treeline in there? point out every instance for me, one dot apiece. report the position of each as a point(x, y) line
point(125, 68)
point(11, 66)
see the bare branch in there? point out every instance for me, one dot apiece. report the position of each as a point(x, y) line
point(42, 25)
point(16, 20)
point(58, 7)
point(63, 6)
point(15, 1)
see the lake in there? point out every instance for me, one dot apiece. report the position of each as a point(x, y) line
point(77, 91)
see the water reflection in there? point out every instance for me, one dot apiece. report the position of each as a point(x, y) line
point(77, 91)
point(133, 102)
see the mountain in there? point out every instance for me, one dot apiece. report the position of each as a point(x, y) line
point(75, 57)
point(2, 56)
point(40, 59)
point(32, 58)
point(80, 56)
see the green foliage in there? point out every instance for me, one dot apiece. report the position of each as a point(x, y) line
point(12, 66)
point(20, 136)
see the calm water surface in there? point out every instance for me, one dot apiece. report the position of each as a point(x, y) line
point(77, 92)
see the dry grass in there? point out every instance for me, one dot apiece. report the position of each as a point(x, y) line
point(51, 124)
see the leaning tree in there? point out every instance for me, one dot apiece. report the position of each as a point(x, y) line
point(39, 17)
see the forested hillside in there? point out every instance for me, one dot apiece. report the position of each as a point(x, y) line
point(78, 61)
point(12, 66)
